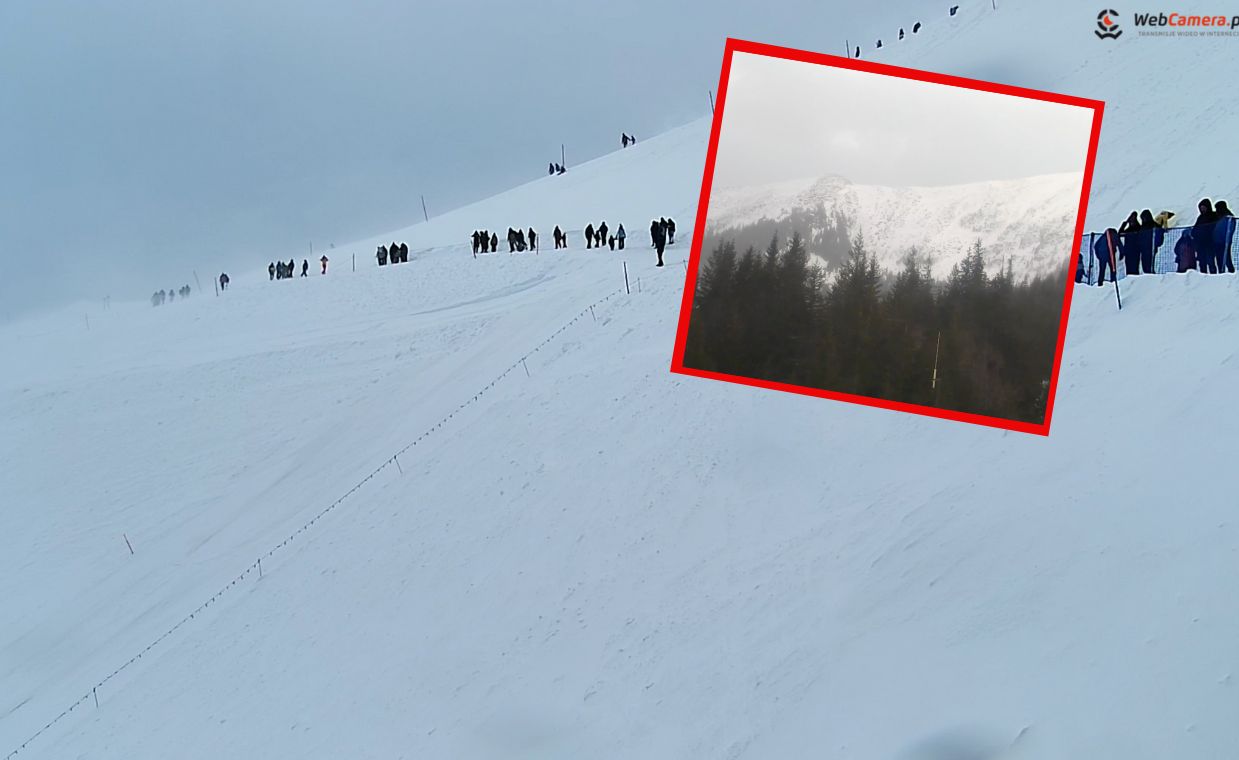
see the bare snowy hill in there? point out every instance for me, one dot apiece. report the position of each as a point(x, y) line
point(1030, 222)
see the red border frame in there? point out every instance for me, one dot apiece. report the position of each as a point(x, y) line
point(804, 56)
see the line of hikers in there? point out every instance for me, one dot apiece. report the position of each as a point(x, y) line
point(278, 270)
point(596, 237)
point(485, 241)
point(1205, 246)
point(397, 254)
point(628, 139)
point(554, 168)
point(662, 234)
point(162, 296)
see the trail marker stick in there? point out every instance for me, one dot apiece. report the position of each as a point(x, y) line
point(1114, 272)
point(627, 289)
point(128, 544)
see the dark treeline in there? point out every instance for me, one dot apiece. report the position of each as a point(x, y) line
point(772, 315)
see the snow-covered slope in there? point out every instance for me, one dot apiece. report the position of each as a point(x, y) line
point(1030, 222)
point(599, 558)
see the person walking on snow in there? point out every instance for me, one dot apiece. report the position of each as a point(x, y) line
point(305, 267)
point(1202, 236)
point(494, 242)
point(1225, 235)
point(533, 240)
point(602, 234)
point(589, 235)
point(670, 231)
point(620, 235)
point(323, 261)
point(1108, 250)
point(659, 234)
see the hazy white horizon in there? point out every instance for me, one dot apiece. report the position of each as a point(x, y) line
point(788, 120)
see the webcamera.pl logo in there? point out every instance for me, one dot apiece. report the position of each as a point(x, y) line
point(1108, 25)
point(1163, 24)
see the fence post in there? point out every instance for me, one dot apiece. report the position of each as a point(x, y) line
point(95, 691)
point(626, 288)
point(260, 568)
point(1090, 257)
point(128, 544)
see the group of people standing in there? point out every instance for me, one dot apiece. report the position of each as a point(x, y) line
point(395, 253)
point(628, 139)
point(278, 270)
point(159, 298)
point(662, 234)
point(596, 237)
point(1205, 246)
point(554, 168)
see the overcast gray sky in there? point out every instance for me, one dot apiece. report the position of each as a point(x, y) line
point(788, 120)
point(143, 139)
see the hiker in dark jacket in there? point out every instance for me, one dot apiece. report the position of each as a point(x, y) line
point(602, 234)
point(670, 231)
point(659, 234)
point(521, 245)
point(1202, 236)
point(381, 252)
point(1185, 253)
point(404, 253)
point(271, 270)
point(550, 168)
point(589, 235)
point(558, 234)
point(1151, 238)
point(511, 240)
point(533, 240)
point(223, 281)
point(305, 267)
point(494, 242)
point(1129, 232)
point(1108, 250)
point(620, 235)
point(475, 239)
point(1224, 236)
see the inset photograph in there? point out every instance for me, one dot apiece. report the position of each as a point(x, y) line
point(887, 236)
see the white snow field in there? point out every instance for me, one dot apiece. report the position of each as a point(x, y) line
point(600, 558)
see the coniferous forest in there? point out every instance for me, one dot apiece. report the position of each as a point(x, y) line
point(774, 316)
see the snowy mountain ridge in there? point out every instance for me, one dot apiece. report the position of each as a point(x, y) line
point(1030, 221)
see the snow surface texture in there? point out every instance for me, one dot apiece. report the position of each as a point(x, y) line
point(600, 558)
point(1030, 222)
